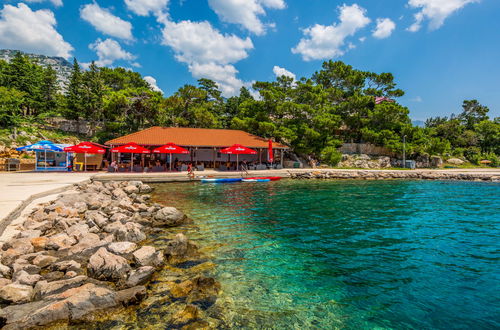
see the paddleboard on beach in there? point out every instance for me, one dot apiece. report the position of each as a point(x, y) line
point(256, 180)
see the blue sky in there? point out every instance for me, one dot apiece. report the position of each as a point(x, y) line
point(440, 51)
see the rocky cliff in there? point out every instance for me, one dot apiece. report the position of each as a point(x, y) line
point(59, 64)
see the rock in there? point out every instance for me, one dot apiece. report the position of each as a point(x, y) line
point(455, 161)
point(60, 241)
point(178, 246)
point(87, 245)
point(67, 265)
point(23, 277)
point(145, 189)
point(122, 248)
point(127, 205)
point(168, 217)
point(5, 271)
point(20, 245)
point(140, 276)
point(53, 276)
point(188, 314)
point(436, 161)
point(71, 274)
point(16, 293)
point(118, 193)
point(44, 288)
point(104, 265)
point(81, 207)
point(126, 232)
point(4, 282)
point(43, 261)
point(33, 233)
point(131, 296)
point(39, 243)
point(119, 217)
point(148, 256)
point(131, 189)
point(21, 264)
point(78, 231)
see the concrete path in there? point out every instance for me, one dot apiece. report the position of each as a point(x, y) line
point(20, 188)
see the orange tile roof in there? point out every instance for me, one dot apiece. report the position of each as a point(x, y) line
point(193, 137)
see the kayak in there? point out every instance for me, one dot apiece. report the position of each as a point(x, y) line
point(221, 180)
point(256, 180)
point(270, 178)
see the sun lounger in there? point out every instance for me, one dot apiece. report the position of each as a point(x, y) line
point(138, 168)
point(184, 168)
point(200, 168)
point(222, 168)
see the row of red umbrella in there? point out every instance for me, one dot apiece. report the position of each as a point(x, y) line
point(169, 148)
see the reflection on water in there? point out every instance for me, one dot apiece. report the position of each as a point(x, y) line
point(350, 254)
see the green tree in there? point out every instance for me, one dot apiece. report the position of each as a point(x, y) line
point(75, 93)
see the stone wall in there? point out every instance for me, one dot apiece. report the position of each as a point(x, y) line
point(365, 148)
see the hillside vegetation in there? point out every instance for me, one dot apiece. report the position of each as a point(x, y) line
point(314, 115)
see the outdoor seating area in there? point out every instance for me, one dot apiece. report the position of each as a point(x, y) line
point(152, 150)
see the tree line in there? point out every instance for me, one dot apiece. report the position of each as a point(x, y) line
point(313, 116)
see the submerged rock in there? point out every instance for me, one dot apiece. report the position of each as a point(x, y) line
point(168, 217)
point(122, 248)
point(148, 256)
point(140, 276)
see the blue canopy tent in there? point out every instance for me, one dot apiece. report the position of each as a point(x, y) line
point(55, 163)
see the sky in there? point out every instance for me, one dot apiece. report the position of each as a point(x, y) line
point(441, 52)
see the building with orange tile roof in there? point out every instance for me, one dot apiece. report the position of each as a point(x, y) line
point(203, 143)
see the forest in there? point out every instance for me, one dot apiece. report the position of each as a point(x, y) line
point(313, 116)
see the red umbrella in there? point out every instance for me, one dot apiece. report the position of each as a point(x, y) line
point(85, 148)
point(170, 148)
point(131, 148)
point(270, 152)
point(238, 149)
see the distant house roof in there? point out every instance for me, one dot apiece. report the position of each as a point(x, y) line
point(194, 137)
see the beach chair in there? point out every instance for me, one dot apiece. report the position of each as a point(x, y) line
point(200, 168)
point(138, 168)
point(222, 168)
point(123, 169)
point(184, 168)
point(279, 167)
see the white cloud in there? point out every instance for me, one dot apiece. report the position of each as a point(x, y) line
point(104, 21)
point(31, 31)
point(246, 12)
point(56, 3)
point(145, 7)
point(322, 42)
point(384, 29)
point(278, 71)
point(109, 51)
point(436, 11)
point(208, 53)
point(417, 99)
point(152, 82)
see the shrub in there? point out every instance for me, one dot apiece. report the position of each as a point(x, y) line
point(331, 156)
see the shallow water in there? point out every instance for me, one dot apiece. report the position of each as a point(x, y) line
point(350, 254)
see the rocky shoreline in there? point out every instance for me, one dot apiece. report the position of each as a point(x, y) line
point(385, 175)
point(84, 253)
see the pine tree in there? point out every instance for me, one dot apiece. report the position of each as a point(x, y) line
point(93, 86)
point(74, 96)
point(49, 90)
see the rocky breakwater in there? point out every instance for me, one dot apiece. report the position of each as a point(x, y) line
point(84, 253)
point(385, 175)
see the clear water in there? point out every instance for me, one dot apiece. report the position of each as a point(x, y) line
point(351, 254)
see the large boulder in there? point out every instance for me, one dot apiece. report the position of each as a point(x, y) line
point(96, 217)
point(140, 276)
point(16, 293)
point(44, 288)
point(168, 217)
point(104, 265)
point(60, 241)
point(455, 161)
point(148, 256)
point(43, 261)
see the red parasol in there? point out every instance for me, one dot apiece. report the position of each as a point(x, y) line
point(170, 148)
point(85, 148)
point(238, 149)
point(270, 154)
point(131, 148)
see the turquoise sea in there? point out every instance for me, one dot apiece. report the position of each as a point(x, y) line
point(350, 254)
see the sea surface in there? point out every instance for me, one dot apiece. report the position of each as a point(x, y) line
point(350, 254)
